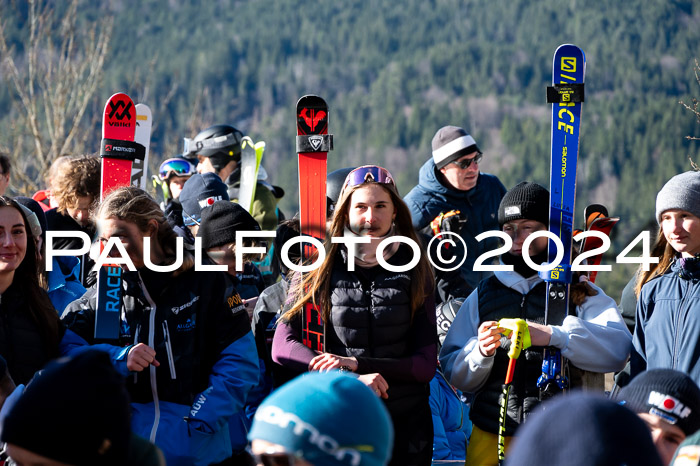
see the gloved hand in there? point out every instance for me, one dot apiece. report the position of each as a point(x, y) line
point(448, 221)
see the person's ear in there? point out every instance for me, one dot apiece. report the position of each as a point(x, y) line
point(152, 228)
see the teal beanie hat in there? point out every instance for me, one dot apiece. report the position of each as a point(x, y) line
point(327, 419)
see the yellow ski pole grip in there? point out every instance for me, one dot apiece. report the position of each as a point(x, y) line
point(520, 338)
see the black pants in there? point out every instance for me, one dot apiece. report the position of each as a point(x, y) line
point(413, 434)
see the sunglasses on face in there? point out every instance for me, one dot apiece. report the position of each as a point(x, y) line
point(366, 174)
point(178, 167)
point(463, 164)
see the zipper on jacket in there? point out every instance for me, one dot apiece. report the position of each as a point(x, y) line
point(169, 349)
point(136, 342)
point(676, 332)
point(152, 369)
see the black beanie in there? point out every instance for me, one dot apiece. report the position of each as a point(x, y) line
point(525, 200)
point(221, 221)
point(580, 429)
point(70, 408)
point(666, 393)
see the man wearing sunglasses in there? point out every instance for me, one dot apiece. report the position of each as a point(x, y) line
point(451, 181)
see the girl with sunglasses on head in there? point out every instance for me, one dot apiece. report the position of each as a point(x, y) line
point(379, 324)
point(172, 175)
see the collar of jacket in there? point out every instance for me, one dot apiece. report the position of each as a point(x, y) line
point(687, 268)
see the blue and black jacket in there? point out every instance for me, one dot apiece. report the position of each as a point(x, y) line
point(208, 361)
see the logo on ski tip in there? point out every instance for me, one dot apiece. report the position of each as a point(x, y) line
point(568, 64)
point(312, 120)
point(114, 106)
point(315, 141)
point(108, 148)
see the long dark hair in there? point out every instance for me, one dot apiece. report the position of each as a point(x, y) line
point(26, 279)
point(317, 282)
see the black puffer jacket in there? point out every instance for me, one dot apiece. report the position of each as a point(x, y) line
point(21, 341)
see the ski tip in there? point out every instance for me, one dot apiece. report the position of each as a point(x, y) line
point(568, 49)
point(311, 100)
point(143, 112)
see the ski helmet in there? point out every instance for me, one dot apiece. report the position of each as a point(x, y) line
point(334, 184)
point(221, 143)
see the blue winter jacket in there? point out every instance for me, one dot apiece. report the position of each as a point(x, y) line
point(64, 282)
point(451, 425)
point(208, 360)
point(667, 334)
point(479, 206)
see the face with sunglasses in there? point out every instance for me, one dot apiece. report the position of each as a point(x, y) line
point(463, 173)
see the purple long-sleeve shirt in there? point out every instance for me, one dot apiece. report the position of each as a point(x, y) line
point(289, 351)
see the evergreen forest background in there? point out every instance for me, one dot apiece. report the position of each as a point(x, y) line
point(393, 72)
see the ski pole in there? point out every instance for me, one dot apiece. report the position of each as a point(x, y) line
point(519, 334)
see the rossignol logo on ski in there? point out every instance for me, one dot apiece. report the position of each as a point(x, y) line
point(313, 119)
point(316, 141)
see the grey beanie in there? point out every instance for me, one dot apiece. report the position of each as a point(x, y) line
point(680, 192)
point(451, 143)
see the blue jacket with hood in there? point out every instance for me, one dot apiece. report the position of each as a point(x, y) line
point(479, 206)
point(451, 425)
point(667, 334)
point(200, 330)
point(64, 282)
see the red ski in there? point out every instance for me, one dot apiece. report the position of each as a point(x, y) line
point(313, 144)
point(118, 154)
point(605, 226)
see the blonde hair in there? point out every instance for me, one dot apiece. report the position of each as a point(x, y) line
point(317, 283)
point(136, 206)
point(74, 178)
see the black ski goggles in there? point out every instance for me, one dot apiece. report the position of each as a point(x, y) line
point(368, 174)
point(177, 167)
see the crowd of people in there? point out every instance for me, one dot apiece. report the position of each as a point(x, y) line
point(211, 364)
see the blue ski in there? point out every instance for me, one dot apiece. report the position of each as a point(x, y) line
point(566, 95)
